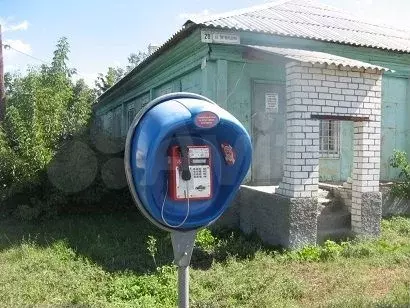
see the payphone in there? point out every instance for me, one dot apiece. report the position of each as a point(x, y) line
point(185, 158)
point(190, 172)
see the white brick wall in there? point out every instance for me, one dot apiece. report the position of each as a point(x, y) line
point(322, 89)
point(358, 90)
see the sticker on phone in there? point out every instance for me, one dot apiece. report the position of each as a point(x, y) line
point(206, 119)
point(228, 153)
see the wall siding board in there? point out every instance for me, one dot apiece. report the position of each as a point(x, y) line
point(164, 89)
point(395, 122)
point(191, 82)
point(222, 83)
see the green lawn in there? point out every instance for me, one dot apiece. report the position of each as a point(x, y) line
point(103, 261)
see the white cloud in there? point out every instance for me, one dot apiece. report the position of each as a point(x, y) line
point(8, 27)
point(89, 78)
point(16, 45)
point(195, 16)
point(14, 60)
point(11, 68)
point(364, 2)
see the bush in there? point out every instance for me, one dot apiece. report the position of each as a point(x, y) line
point(44, 110)
point(205, 240)
point(399, 160)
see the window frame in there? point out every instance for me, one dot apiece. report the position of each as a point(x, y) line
point(333, 137)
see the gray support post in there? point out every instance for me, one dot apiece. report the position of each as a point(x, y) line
point(183, 286)
point(183, 244)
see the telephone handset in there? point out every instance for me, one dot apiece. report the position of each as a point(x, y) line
point(190, 173)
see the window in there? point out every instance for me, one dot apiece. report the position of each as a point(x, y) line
point(116, 131)
point(329, 141)
point(130, 116)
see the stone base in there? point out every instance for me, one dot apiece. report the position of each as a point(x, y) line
point(302, 222)
point(276, 219)
point(265, 214)
point(371, 213)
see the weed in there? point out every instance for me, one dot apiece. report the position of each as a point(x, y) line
point(399, 160)
point(152, 248)
point(205, 240)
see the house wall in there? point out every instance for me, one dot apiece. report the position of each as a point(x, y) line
point(395, 100)
point(176, 69)
point(395, 133)
point(241, 76)
point(322, 89)
point(224, 79)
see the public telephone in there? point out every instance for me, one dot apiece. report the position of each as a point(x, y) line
point(205, 161)
point(185, 159)
point(190, 173)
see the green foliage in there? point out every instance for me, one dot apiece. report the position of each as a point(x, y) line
point(205, 240)
point(134, 59)
point(145, 291)
point(114, 74)
point(43, 109)
point(152, 247)
point(398, 225)
point(104, 82)
point(309, 253)
point(102, 262)
point(399, 160)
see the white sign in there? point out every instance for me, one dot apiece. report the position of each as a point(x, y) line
point(219, 37)
point(271, 102)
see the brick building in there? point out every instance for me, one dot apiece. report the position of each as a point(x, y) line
point(323, 94)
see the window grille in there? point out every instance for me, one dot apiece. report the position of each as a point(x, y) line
point(329, 139)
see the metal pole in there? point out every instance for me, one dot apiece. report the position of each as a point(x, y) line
point(2, 89)
point(183, 287)
point(183, 244)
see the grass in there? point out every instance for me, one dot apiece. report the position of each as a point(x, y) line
point(109, 261)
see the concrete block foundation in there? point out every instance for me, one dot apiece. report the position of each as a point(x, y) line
point(371, 213)
point(302, 222)
point(276, 219)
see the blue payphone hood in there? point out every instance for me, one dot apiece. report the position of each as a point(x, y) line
point(194, 120)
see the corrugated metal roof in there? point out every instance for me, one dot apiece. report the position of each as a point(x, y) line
point(312, 20)
point(317, 57)
point(293, 18)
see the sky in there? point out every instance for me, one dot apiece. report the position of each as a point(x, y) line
point(103, 33)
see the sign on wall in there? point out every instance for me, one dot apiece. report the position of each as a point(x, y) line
point(271, 102)
point(208, 36)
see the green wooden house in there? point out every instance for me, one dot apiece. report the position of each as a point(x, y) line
point(238, 60)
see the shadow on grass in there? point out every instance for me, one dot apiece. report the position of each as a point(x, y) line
point(118, 241)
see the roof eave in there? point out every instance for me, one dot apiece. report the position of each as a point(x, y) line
point(187, 29)
point(304, 37)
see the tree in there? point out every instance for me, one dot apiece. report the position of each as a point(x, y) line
point(134, 59)
point(8, 78)
point(104, 82)
point(44, 107)
point(114, 74)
